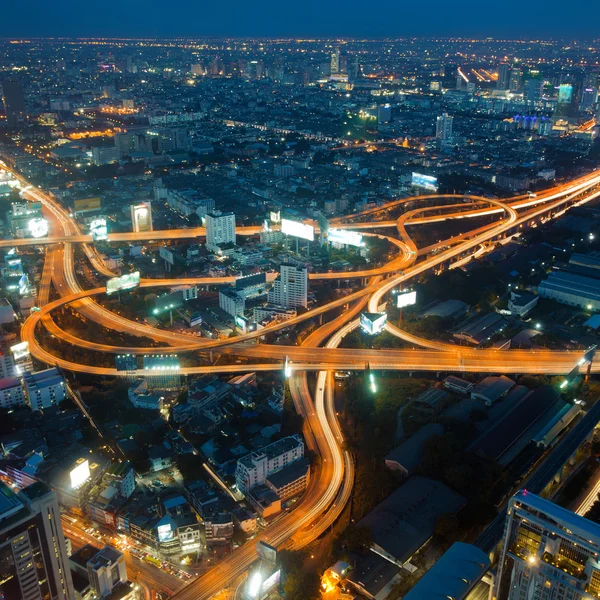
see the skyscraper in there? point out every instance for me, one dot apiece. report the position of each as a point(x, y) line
point(33, 553)
point(14, 102)
point(548, 553)
point(220, 229)
point(516, 78)
point(532, 91)
point(290, 289)
point(443, 127)
point(334, 65)
point(503, 75)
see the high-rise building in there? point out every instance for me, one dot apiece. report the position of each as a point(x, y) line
point(567, 101)
point(141, 216)
point(532, 91)
point(548, 553)
point(343, 65)
point(334, 64)
point(33, 552)
point(503, 76)
point(290, 289)
point(443, 127)
point(516, 78)
point(220, 230)
point(14, 102)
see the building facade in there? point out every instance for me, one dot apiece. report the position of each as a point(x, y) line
point(548, 553)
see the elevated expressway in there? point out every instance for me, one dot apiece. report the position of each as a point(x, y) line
point(331, 485)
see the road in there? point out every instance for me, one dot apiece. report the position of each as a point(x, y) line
point(331, 484)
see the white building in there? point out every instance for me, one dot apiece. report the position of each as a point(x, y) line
point(290, 289)
point(253, 470)
point(232, 302)
point(443, 127)
point(107, 571)
point(44, 388)
point(548, 553)
point(220, 230)
point(11, 393)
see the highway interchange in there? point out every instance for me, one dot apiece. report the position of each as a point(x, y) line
point(331, 485)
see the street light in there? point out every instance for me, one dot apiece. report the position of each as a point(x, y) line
point(538, 326)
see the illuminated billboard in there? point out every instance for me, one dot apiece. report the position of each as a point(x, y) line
point(373, 323)
point(165, 533)
point(565, 93)
point(298, 229)
point(23, 285)
point(20, 351)
point(348, 238)
point(141, 217)
point(80, 474)
point(407, 298)
point(99, 229)
point(427, 182)
point(122, 283)
point(38, 227)
point(86, 204)
point(271, 582)
point(275, 216)
point(14, 266)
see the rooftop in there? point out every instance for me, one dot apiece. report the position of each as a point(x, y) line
point(405, 520)
point(453, 575)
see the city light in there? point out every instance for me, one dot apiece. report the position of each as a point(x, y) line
point(254, 585)
point(38, 227)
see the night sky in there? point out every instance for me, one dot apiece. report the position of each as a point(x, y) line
point(395, 18)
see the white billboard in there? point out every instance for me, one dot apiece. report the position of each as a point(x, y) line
point(99, 229)
point(166, 255)
point(373, 323)
point(80, 474)
point(407, 298)
point(298, 229)
point(124, 282)
point(38, 227)
point(426, 182)
point(20, 350)
point(165, 532)
point(348, 238)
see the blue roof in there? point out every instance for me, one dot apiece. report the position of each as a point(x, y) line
point(453, 575)
point(569, 283)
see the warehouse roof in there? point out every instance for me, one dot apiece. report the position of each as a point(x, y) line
point(405, 520)
point(453, 575)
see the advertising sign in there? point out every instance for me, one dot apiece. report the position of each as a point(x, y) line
point(99, 229)
point(80, 474)
point(166, 255)
point(373, 323)
point(348, 238)
point(165, 533)
point(38, 227)
point(124, 282)
point(87, 204)
point(407, 298)
point(298, 229)
point(426, 182)
point(20, 351)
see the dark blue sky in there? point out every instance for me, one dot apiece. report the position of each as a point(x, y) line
point(481, 18)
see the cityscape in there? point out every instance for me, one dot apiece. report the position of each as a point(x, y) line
point(298, 317)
